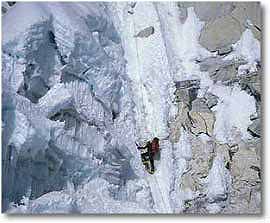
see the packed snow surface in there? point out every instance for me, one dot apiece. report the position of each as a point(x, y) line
point(218, 183)
point(233, 113)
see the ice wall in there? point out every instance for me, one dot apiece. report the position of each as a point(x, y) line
point(67, 96)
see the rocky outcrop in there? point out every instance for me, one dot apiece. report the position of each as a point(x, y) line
point(249, 15)
point(216, 175)
point(246, 177)
point(206, 11)
point(186, 92)
point(220, 33)
point(225, 22)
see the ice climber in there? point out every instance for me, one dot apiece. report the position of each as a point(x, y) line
point(149, 151)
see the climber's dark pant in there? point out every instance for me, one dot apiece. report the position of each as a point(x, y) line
point(157, 156)
point(148, 161)
point(152, 162)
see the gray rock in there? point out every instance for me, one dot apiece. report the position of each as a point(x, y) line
point(145, 32)
point(202, 122)
point(220, 33)
point(225, 74)
point(225, 50)
point(213, 64)
point(207, 11)
point(181, 95)
point(186, 95)
point(253, 89)
point(251, 11)
point(192, 92)
point(252, 84)
point(254, 116)
point(239, 11)
point(233, 148)
point(186, 91)
point(259, 110)
point(199, 105)
point(246, 180)
point(180, 120)
point(255, 128)
point(210, 64)
point(187, 84)
point(220, 70)
point(211, 99)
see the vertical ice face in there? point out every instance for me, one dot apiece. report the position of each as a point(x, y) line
point(71, 108)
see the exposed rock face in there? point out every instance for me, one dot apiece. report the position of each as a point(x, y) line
point(211, 100)
point(201, 117)
point(202, 122)
point(186, 92)
point(249, 15)
point(225, 22)
point(234, 166)
point(206, 11)
point(220, 33)
point(246, 176)
point(145, 32)
point(255, 128)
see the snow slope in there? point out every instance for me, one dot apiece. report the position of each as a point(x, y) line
point(147, 69)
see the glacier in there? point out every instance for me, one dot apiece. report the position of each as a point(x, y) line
point(79, 90)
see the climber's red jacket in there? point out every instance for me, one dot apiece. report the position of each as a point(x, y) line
point(155, 145)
